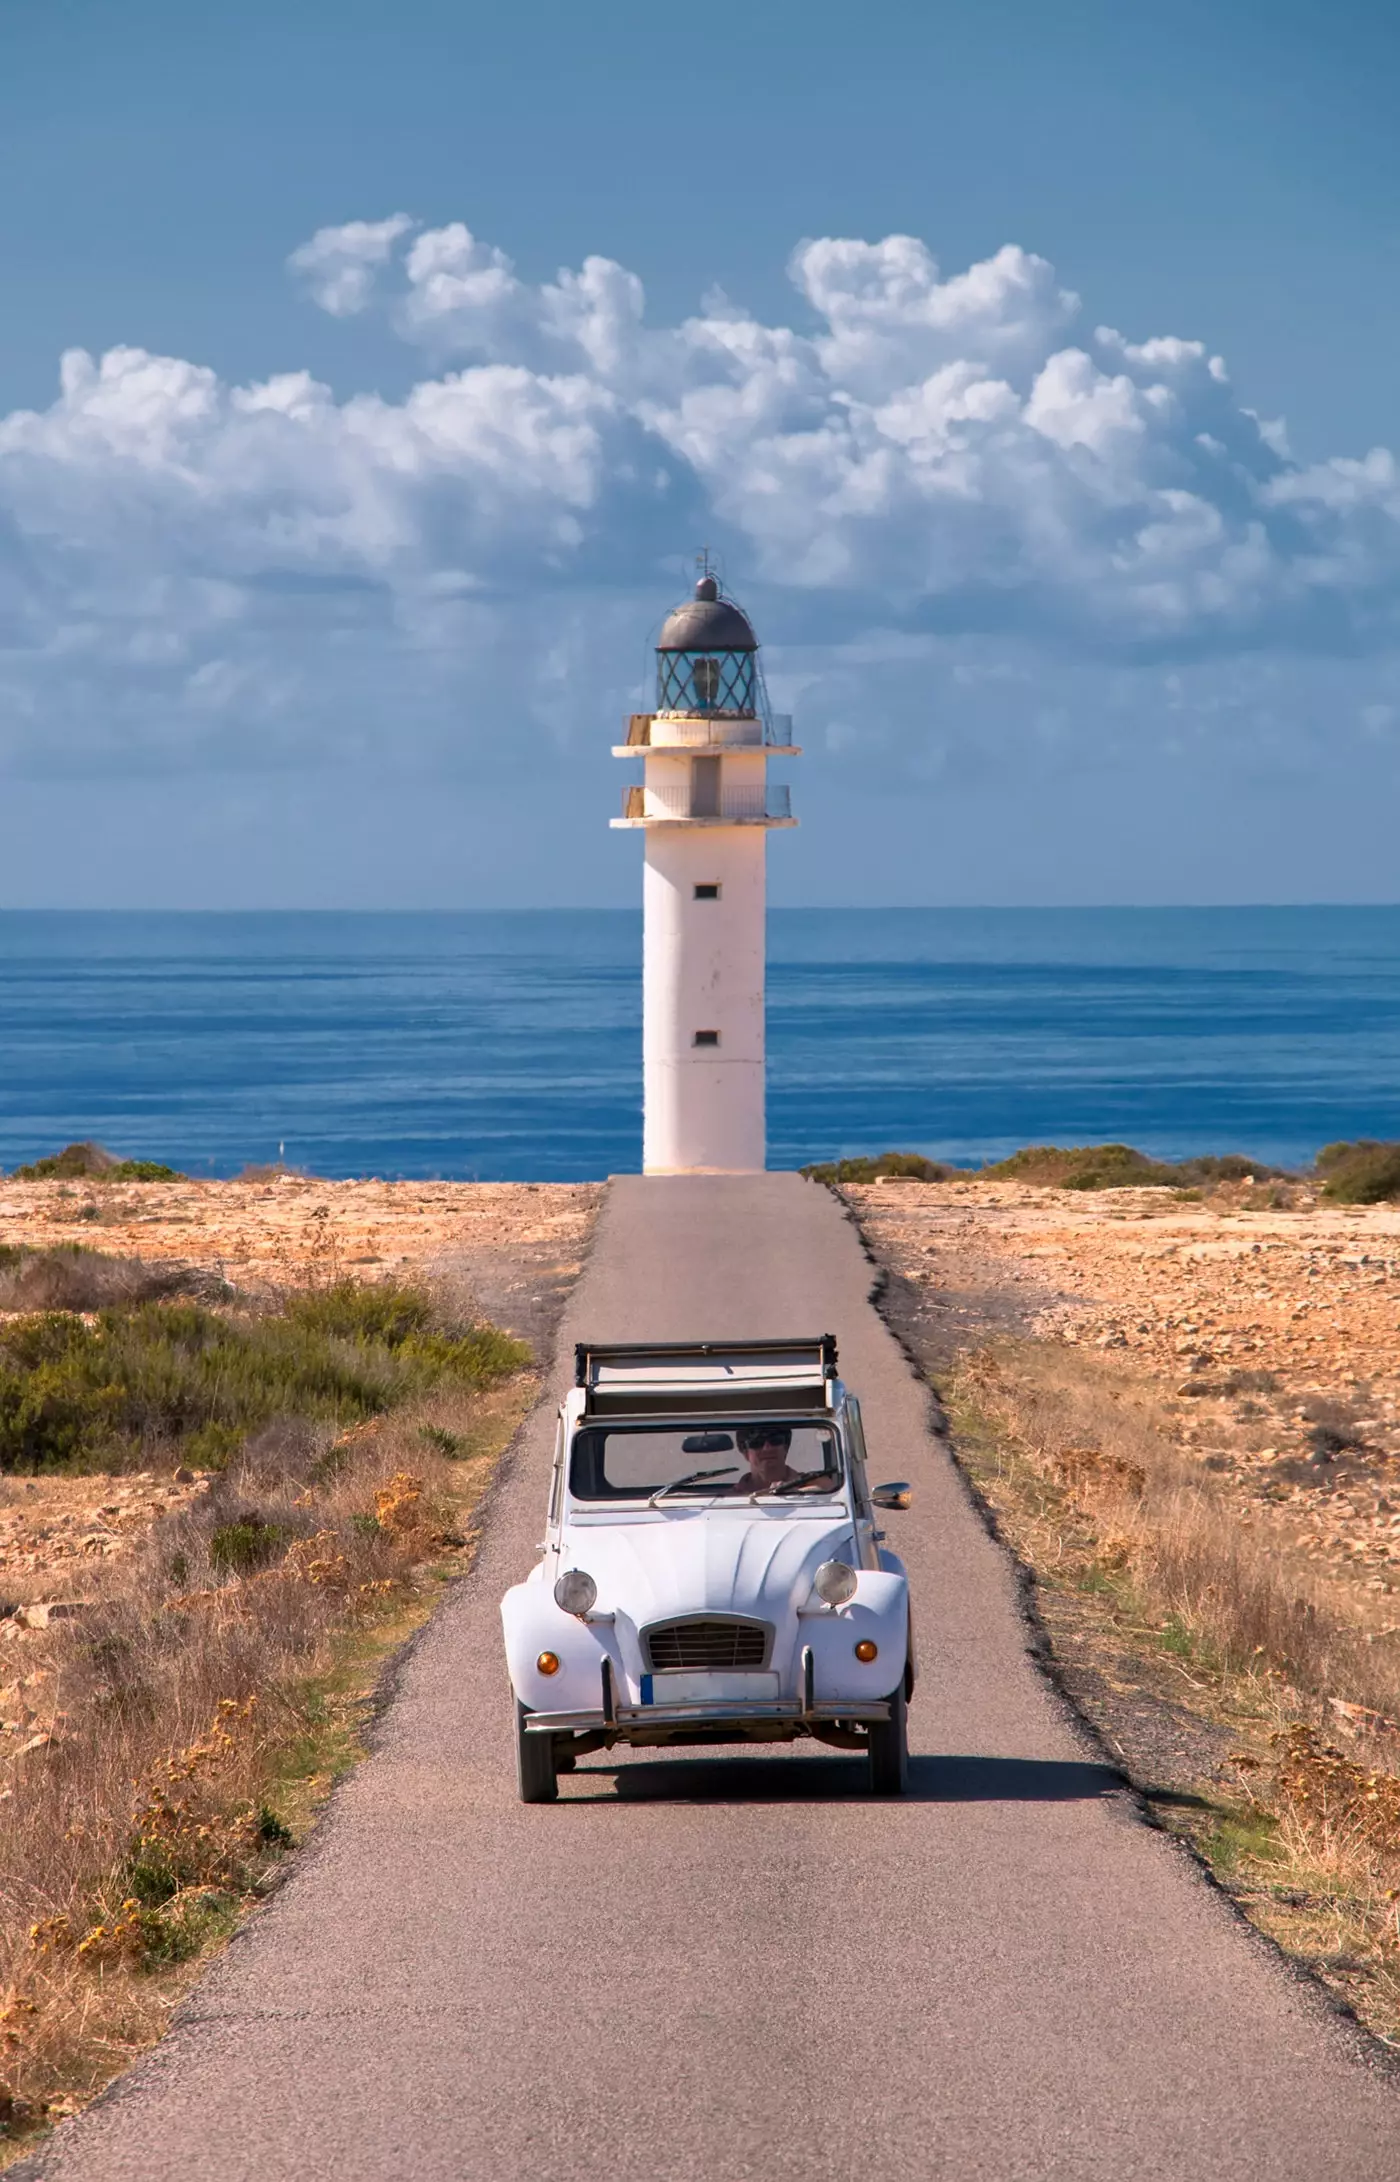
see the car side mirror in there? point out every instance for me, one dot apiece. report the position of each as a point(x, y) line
point(897, 1495)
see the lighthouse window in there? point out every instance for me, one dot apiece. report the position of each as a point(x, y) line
point(706, 1038)
point(707, 891)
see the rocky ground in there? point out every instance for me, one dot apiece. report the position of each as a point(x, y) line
point(1270, 1328)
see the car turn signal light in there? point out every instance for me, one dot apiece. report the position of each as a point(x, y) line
point(548, 1663)
point(867, 1650)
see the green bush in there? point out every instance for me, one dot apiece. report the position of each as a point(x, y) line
point(93, 1162)
point(1364, 1173)
point(389, 1312)
point(903, 1166)
point(235, 1549)
point(1082, 1166)
point(153, 1375)
point(1119, 1166)
point(450, 1444)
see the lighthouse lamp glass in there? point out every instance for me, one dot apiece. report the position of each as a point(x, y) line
point(705, 682)
point(835, 1582)
point(575, 1592)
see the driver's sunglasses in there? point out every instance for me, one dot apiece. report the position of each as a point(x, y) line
point(767, 1439)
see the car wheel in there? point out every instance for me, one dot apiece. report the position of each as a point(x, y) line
point(889, 1749)
point(534, 1762)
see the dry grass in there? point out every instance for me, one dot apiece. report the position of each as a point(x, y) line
point(71, 1278)
point(188, 1734)
point(1099, 1436)
point(171, 1737)
point(1075, 1455)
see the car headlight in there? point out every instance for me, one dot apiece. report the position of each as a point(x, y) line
point(576, 1592)
point(835, 1582)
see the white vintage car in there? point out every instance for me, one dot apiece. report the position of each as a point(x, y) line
point(712, 1570)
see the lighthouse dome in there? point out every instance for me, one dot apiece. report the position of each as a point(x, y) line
point(707, 623)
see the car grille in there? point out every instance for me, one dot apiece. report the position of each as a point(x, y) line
point(709, 1640)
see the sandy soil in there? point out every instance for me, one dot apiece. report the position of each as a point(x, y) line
point(1264, 1327)
point(515, 1245)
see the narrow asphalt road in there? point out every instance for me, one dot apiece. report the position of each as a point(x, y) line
point(697, 1969)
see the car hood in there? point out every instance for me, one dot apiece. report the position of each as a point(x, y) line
point(710, 1561)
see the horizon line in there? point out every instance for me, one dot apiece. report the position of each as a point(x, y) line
point(626, 909)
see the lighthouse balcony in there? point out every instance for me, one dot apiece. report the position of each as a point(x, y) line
point(757, 804)
point(708, 731)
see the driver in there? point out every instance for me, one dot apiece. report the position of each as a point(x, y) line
point(765, 1449)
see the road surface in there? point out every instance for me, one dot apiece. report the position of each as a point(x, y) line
point(701, 1969)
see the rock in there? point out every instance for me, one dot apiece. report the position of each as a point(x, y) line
point(42, 1613)
point(182, 1476)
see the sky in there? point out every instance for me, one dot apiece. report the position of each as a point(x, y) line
point(370, 376)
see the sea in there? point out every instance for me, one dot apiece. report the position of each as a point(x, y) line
point(486, 1046)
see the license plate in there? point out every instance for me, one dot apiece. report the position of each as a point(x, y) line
point(708, 1689)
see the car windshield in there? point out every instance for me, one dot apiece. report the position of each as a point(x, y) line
point(731, 1461)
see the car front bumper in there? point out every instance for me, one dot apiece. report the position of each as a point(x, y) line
point(723, 1714)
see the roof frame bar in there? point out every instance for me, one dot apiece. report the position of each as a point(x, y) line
point(589, 1353)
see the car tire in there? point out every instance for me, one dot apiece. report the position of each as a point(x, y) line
point(889, 1749)
point(534, 1762)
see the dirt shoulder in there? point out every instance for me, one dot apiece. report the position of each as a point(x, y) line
point(1182, 1417)
point(1200, 1299)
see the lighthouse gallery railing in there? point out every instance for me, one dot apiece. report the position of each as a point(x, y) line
point(755, 802)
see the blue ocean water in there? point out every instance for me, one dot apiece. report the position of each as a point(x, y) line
point(503, 1046)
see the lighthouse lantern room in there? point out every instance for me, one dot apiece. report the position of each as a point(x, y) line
point(705, 808)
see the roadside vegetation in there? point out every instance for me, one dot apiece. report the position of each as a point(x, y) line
point(88, 1162)
point(170, 1730)
point(1119, 1166)
point(1275, 1693)
point(897, 1166)
point(1363, 1173)
point(148, 1380)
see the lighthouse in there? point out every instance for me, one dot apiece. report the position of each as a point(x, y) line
point(705, 808)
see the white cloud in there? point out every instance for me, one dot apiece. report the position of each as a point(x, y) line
point(339, 263)
point(191, 565)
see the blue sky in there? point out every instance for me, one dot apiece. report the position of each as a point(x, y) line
point(419, 346)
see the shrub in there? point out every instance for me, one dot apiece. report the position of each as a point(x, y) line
point(1120, 1166)
point(899, 1166)
point(152, 1374)
point(1364, 1173)
point(450, 1445)
point(88, 1162)
point(237, 1548)
point(388, 1312)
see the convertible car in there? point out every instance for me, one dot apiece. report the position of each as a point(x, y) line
point(712, 1568)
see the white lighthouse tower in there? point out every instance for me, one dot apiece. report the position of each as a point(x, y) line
point(706, 807)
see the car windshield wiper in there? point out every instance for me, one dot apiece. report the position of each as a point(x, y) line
point(808, 1477)
point(693, 1477)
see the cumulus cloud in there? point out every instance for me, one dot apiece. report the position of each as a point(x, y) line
point(944, 459)
point(338, 265)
